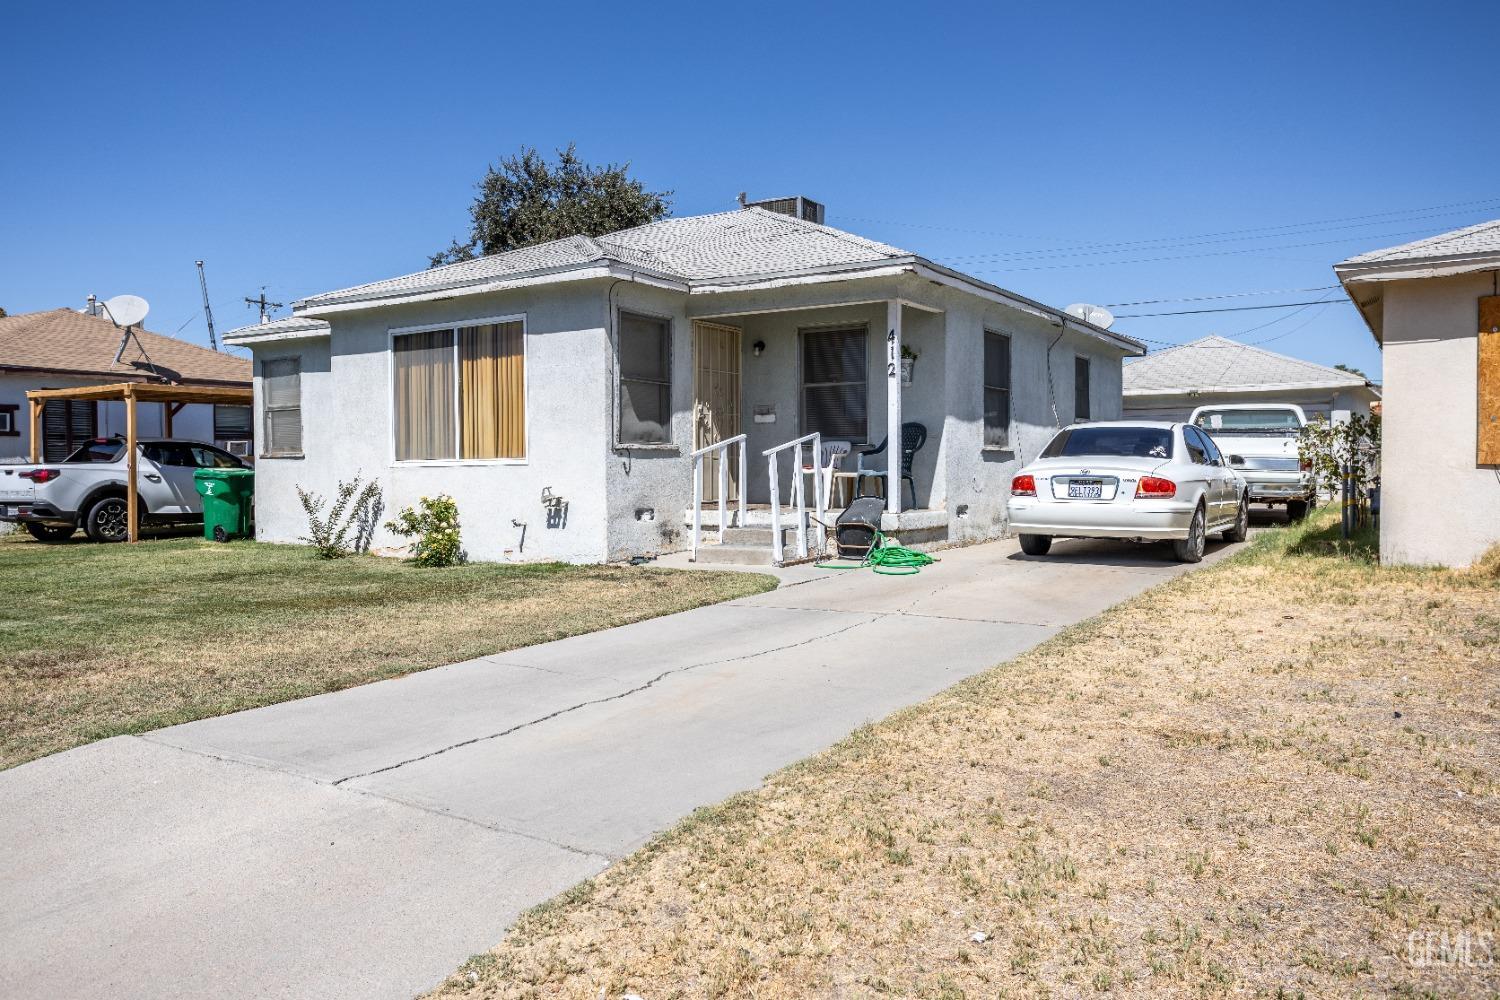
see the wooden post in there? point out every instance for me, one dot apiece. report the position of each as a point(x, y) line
point(893, 407)
point(36, 430)
point(169, 410)
point(132, 502)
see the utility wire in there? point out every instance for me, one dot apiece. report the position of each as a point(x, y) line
point(1226, 295)
point(1227, 309)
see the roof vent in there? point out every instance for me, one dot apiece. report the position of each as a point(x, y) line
point(798, 207)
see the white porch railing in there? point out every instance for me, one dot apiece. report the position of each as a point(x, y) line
point(799, 499)
point(722, 447)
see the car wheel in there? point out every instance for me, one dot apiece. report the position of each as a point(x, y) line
point(50, 532)
point(1241, 529)
point(1190, 549)
point(1296, 510)
point(107, 520)
point(1036, 545)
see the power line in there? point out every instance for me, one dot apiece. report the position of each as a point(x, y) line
point(1226, 309)
point(1226, 295)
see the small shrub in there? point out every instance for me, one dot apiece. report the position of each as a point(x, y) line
point(435, 528)
point(354, 508)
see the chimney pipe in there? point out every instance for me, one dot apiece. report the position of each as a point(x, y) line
point(93, 308)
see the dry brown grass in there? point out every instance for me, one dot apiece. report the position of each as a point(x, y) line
point(1259, 780)
point(101, 640)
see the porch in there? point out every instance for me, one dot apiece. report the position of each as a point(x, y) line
point(793, 416)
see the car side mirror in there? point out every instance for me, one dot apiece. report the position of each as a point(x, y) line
point(1236, 459)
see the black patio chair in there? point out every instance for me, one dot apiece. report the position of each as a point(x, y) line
point(913, 437)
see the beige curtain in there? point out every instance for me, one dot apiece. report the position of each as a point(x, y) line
point(492, 379)
point(424, 396)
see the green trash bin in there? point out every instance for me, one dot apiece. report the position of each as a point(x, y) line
point(228, 499)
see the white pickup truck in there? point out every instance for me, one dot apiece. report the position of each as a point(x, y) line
point(87, 489)
point(1261, 442)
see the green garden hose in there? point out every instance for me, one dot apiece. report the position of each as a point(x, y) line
point(887, 559)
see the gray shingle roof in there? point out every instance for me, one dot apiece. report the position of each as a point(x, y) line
point(692, 248)
point(1483, 238)
point(288, 326)
point(1214, 364)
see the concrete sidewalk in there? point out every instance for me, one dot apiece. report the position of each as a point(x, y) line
point(364, 843)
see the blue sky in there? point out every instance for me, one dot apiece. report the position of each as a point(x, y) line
point(1110, 153)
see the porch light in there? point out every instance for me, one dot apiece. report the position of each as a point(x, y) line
point(759, 348)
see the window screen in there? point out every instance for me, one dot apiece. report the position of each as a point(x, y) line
point(645, 380)
point(996, 390)
point(281, 394)
point(1081, 389)
point(66, 424)
point(232, 423)
point(835, 388)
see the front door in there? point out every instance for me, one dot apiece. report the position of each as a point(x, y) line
point(716, 401)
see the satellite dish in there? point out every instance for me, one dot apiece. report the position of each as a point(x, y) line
point(1096, 315)
point(126, 310)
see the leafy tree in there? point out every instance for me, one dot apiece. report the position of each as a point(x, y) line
point(3, 313)
point(527, 200)
point(1326, 447)
point(1352, 371)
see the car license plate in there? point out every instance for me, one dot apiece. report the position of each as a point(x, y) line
point(1085, 489)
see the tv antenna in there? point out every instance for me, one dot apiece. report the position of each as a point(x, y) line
point(208, 313)
point(1093, 315)
point(125, 311)
point(265, 307)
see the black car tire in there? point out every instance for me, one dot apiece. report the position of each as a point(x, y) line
point(1190, 549)
point(1241, 529)
point(1296, 510)
point(107, 520)
point(1036, 545)
point(51, 532)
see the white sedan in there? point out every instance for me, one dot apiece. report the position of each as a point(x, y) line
point(1129, 479)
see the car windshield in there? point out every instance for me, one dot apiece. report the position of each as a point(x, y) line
point(1125, 442)
point(1249, 422)
point(97, 451)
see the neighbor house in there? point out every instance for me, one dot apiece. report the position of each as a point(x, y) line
point(1169, 384)
point(64, 348)
point(557, 392)
point(1434, 308)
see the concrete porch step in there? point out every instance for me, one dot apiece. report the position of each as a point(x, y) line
point(738, 555)
point(758, 535)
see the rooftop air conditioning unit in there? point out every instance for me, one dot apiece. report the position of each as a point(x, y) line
point(800, 207)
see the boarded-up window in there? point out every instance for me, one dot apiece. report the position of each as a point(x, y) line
point(996, 390)
point(66, 425)
point(281, 395)
point(645, 380)
point(1489, 380)
point(835, 386)
point(460, 393)
point(1081, 389)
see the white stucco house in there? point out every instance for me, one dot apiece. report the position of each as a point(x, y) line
point(1434, 307)
point(558, 392)
point(66, 348)
point(1169, 384)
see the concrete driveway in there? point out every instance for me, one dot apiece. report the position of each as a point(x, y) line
point(364, 843)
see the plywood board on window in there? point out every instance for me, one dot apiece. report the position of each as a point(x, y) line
point(1489, 380)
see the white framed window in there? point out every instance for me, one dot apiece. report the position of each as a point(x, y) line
point(645, 380)
point(836, 383)
point(458, 392)
point(1082, 389)
point(233, 423)
point(281, 395)
point(996, 390)
point(8, 426)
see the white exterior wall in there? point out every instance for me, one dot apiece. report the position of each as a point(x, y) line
point(1437, 504)
point(347, 427)
point(194, 422)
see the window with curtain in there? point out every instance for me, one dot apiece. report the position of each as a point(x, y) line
point(1081, 389)
point(281, 397)
point(645, 380)
point(835, 384)
point(460, 393)
point(996, 390)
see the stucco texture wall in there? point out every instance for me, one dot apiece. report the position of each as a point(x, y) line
point(1438, 505)
point(347, 427)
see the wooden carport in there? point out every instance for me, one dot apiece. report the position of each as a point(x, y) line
point(174, 396)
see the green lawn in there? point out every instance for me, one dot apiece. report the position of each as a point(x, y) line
point(99, 640)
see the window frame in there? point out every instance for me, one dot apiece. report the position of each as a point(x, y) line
point(263, 444)
point(670, 444)
point(390, 392)
point(1088, 395)
point(863, 329)
point(251, 433)
point(985, 387)
point(10, 424)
